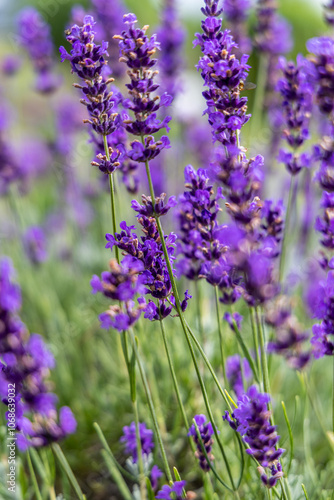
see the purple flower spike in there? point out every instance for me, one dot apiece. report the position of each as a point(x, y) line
point(206, 432)
point(88, 61)
point(234, 320)
point(174, 492)
point(129, 439)
point(251, 421)
point(158, 209)
point(34, 36)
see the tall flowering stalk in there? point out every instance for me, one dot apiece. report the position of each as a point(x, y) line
point(236, 13)
point(34, 35)
point(25, 363)
point(251, 420)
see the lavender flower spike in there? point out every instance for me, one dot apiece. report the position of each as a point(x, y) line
point(34, 36)
point(129, 439)
point(251, 421)
point(174, 492)
point(206, 432)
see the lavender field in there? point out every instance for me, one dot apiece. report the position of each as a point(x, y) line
point(167, 250)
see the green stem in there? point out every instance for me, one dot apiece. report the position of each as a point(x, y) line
point(333, 398)
point(209, 366)
point(142, 482)
point(285, 230)
point(112, 195)
point(265, 373)
point(184, 326)
point(68, 471)
point(220, 335)
point(255, 340)
point(290, 435)
point(33, 477)
point(305, 492)
point(199, 311)
point(151, 407)
point(175, 382)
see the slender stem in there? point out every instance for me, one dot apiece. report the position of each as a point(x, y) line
point(255, 340)
point(151, 406)
point(184, 326)
point(208, 364)
point(67, 469)
point(285, 230)
point(199, 311)
point(220, 335)
point(33, 477)
point(176, 385)
point(265, 373)
point(139, 454)
point(112, 195)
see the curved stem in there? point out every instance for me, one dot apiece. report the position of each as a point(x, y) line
point(199, 311)
point(33, 477)
point(175, 383)
point(265, 373)
point(255, 340)
point(142, 482)
point(112, 195)
point(220, 335)
point(151, 406)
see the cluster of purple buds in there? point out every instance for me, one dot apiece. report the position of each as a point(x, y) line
point(323, 309)
point(252, 421)
point(109, 17)
point(136, 51)
point(9, 169)
point(236, 13)
point(34, 35)
point(238, 371)
point(224, 76)
point(174, 492)
point(296, 92)
point(34, 242)
point(122, 283)
point(241, 179)
point(197, 214)
point(290, 337)
point(325, 223)
point(273, 33)
point(88, 61)
point(171, 36)
point(148, 252)
point(129, 439)
point(25, 363)
point(206, 431)
point(322, 72)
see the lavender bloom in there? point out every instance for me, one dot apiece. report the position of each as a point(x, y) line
point(25, 361)
point(149, 253)
point(236, 13)
point(322, 340)
point(171, 36)
point(129, 439)
point(223, 74)
point(234, 320)
point(34, 243)
point(273, 33)
point(290, 337)
point(174, 492)
point(122, 283)
point(34, 36)
point(325, 224)
point(251, 421)
point(110, 20)
point(11, 64)
point(197, 214)
point(296, 92)
point(322, 59)
point(136, 50)
point(154, 477)
point(272, 220)
point(235, 374)
point(206, 432)
point(88, 61)
point(9, 169)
